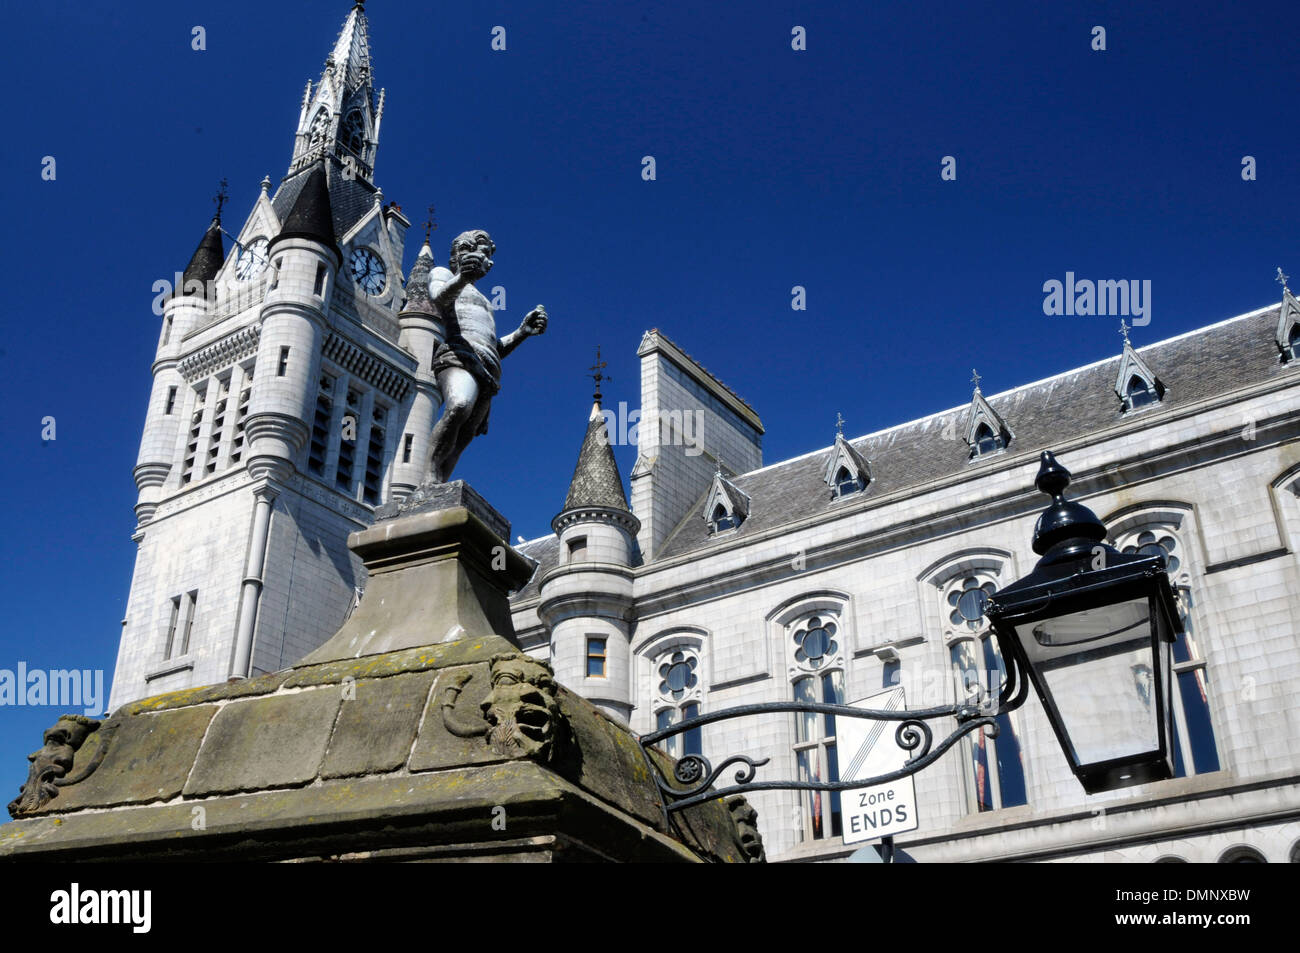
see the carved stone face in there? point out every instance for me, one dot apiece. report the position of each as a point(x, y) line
point(521, 709)
point(471, 253)
point(61, 744)
point(52, 762)
point(746, 821)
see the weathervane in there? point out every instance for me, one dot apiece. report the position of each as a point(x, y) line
point(430, 225)
point(1282, 279)
point(839, 423)
point(975, 379)
point(224, 193)
point(1123, 330)
point(597, 372)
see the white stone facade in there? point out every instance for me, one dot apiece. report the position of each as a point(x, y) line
point(1215, 478)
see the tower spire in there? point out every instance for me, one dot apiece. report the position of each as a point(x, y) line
point(340, 118)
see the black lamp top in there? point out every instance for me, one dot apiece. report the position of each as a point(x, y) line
point(1063, 519)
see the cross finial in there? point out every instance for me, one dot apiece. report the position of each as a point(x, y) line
point(220, 198)
point(839, 423)
point(1123, 330)
point(975, 379)
point(1282, 280)
point(597, 373)
point(430, 225)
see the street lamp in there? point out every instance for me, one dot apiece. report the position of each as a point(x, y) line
point(1090, 627)
point(1093, 628)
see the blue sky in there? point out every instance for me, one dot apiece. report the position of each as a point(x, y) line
point(775, 168)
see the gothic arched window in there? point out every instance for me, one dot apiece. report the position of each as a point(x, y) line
point(320, 127)
point(677, 697)
point(354, 133)
point(816, 647)
point(1293, 341)
point(721, 521)
point(1139, 394)
point(986, 441)
point(995, 773)
point(846, 482)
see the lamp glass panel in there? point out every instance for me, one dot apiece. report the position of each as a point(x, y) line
point(1098, 669)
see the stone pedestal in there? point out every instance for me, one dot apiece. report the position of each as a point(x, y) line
point(418, 732)
point(440, 570)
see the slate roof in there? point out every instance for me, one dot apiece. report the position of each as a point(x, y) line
point(1194, 366)
point(207, 258)
point(596, 480)
point(546, 552)
point(349, 199)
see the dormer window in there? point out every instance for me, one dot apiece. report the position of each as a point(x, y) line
point(846, 482)
point(722, 520)
point(1136, 384)
point(986, 431)
point(1139, 394)
point(986, 441)
point(1293, 343)
point(847, 471)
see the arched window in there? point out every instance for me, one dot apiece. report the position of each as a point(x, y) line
point(1293, 341)
point(995, 771)
point(815, 646)
point(320, 126)
point(675, 688)
point(721, 520)
point(846, 482)
point(1194, 748)
point(1138, 394)
point(986, 441)
point(354, 133)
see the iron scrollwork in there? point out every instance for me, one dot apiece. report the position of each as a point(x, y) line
point(693, 775)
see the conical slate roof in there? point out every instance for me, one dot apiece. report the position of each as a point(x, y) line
point(417, 284)
point(596, 480)
point(311, 217)
point(207, 258)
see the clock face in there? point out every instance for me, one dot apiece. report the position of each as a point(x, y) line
point(368, 271)
point(252, 260)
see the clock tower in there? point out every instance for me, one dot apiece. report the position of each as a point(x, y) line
point(292, 394)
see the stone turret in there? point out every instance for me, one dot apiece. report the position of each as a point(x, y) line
point(305, 259)
point(182, 311)
point(422, 334)
point(586, 598)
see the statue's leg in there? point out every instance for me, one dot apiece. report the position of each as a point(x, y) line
point(468, 431)
point(459, 397)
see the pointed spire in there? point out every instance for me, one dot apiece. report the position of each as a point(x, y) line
point(417, 284)
point(207, 258)
point(311, 216)
point(340, 115)
point(210, 254)
point(596, 480)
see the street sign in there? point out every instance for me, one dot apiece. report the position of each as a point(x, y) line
point(867, 749)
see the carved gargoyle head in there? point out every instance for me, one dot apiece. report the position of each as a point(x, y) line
point(52, 762)
point(471, 253)
point(747, 836)
point(521, 709)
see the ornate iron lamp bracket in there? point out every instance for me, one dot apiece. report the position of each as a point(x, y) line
point(693, 775)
